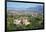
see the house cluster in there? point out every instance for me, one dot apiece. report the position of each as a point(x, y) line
point(21, 20)
point(34, 14)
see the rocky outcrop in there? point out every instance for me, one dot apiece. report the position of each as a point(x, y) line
point(21, 20)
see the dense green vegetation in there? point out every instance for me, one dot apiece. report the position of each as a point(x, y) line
point(35, 22)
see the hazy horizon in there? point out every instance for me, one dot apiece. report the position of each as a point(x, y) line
point(24, 6)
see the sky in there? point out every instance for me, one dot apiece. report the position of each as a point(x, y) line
point(18, 5)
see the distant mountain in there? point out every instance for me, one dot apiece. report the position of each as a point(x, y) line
point(38, 9)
